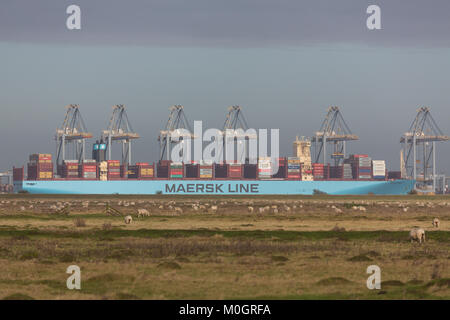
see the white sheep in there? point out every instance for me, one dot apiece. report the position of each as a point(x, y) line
point(128, 219)
point(143, 213)
point(250, 209)
point(436, 222)
point(417, 234)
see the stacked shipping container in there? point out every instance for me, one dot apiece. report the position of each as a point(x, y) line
point(113, 169)
point(142, 170)
point(40, 167)
point(361, 166)
point(343, 171)
point(206, 171)
point(347, 171)
point(88, 170)
point(379, 169)
point(293, 168)
point(69, 169)
point(318, 171)
point(235, 170)
point(163, 169)
point(176, 170)
point(336, 172)
point(282, 169)
point(191, 170)
point(220, 171)
point(264, 168)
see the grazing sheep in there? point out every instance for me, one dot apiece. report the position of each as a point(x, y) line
point(214, 208)
point(417, 234)
point(436, 222)
point(143, 213)
point(261, 210)
point(250, 209)
point(178, 210)
point(128, 219)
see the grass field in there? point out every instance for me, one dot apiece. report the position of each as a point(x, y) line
point(300, 247)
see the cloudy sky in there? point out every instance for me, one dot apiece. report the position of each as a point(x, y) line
point(284, 61)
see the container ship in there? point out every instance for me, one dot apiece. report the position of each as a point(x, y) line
point(357, 175)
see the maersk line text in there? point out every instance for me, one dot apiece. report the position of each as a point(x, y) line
point(212, 188)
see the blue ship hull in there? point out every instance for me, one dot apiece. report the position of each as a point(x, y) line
point(217, 187)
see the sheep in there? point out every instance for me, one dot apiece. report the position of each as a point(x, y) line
point(143, 213)
point(436, 222)
point(178, 210)
point(213, 209)
point(128, 219)
point(250, 209)
point(417, 234)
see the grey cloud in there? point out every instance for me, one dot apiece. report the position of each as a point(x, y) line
point(237, 23)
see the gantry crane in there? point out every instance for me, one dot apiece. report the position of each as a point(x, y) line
point(73, 131)
point(176, 122)
point(236, 122)
point(419, 147)
point(119, 130)
point(334, 130)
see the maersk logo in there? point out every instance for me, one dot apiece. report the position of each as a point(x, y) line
point(212, 188)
